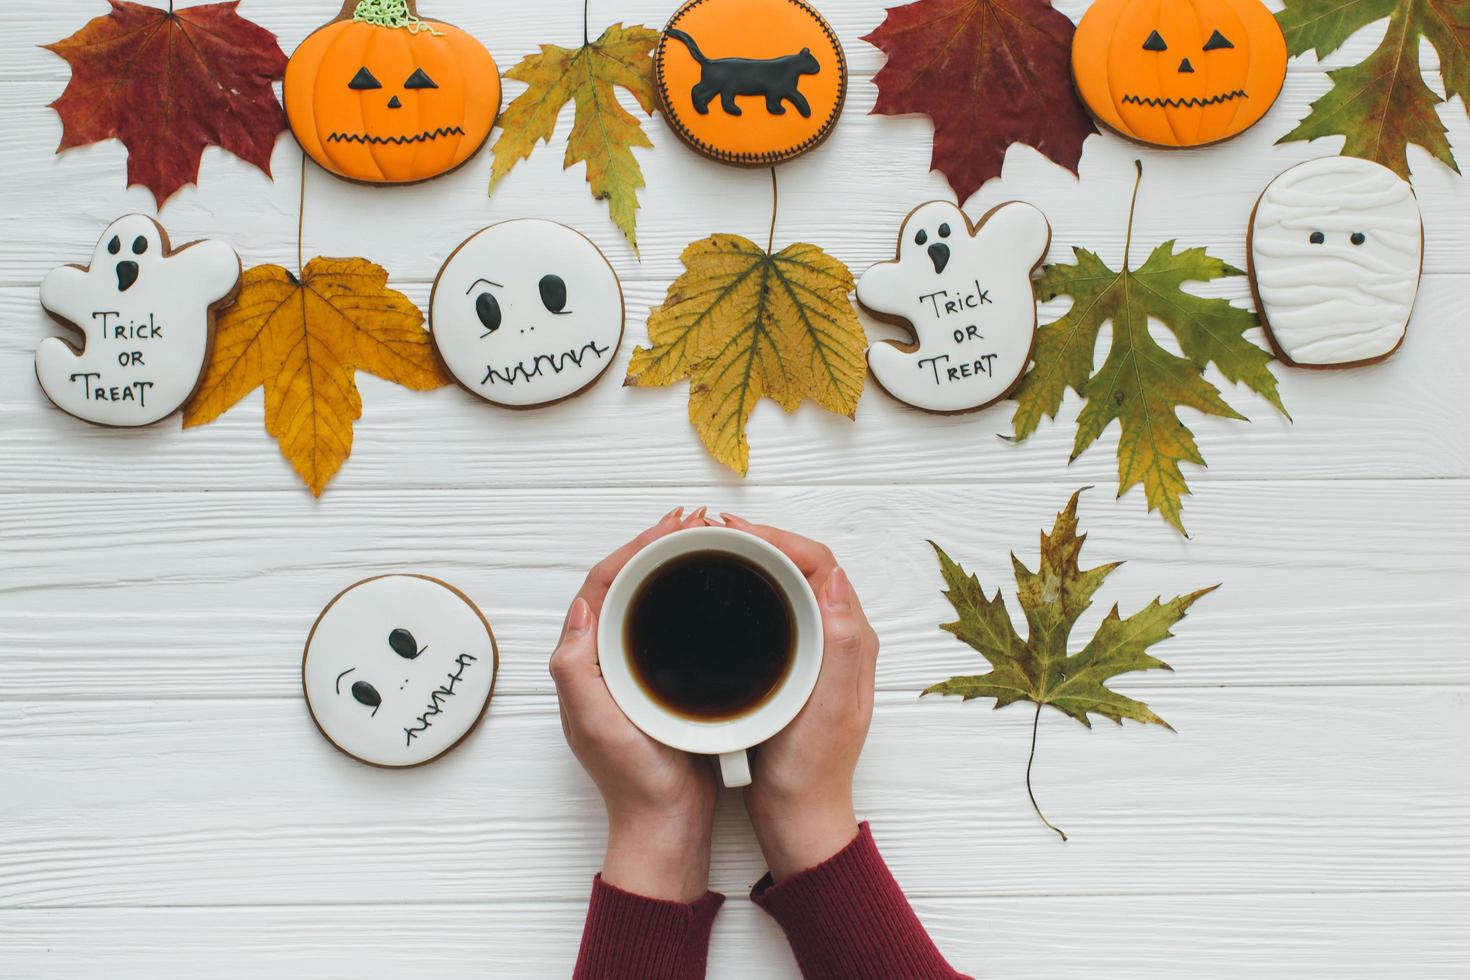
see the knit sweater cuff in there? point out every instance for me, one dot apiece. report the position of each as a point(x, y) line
point(847, 919)
point(630, 937)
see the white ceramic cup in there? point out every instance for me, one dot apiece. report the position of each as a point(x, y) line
point(728, 738)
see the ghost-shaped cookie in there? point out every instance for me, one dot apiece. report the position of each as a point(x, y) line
point(1336, 250)
point(399, 669)
point(146, 317)
point(965, 292)
point(526, 313)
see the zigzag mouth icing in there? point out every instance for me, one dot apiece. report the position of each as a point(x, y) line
point(427, 136)
point(1190, 103)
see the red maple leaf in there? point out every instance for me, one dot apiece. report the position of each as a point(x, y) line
point(989, 73)
point(169, 84)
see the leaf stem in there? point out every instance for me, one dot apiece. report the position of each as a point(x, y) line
point(775, 200)
point(1035, 724)
point(1132, 208)
point(301, 219)
point(586, 27)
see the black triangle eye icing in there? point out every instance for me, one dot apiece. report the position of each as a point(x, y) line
point(364, 80)
point(1155, 42)
point(403, 644)
point(420, 79)
point(553, 294)
point(1218, 41)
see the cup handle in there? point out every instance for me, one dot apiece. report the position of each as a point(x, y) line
point(735, 769)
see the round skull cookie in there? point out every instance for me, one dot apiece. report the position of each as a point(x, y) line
point(146, 315)
point(965, 293)
point(526, 313)
point(382, 97)
point(399, 669)
point(1179, 73)
point(1336, 249)
point(750, 82)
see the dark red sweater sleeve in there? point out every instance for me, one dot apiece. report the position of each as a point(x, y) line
point(847, 919)
point(629, 937)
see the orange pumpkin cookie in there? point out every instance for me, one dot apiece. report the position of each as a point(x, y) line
point(1179, 73)
point(382, 97)
point(750, 82)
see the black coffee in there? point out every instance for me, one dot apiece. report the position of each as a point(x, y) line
point(710, 635)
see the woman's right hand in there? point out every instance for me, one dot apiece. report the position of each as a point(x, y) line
point(800, 800)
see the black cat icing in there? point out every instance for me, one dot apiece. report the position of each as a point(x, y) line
point(777, 80)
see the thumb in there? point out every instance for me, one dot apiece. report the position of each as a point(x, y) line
point(574, 666)
point(850, 647)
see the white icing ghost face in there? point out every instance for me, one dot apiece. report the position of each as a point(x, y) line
point(146, 316)
point(526, 313)
point(966, 294)
point(1336, 247)
point(399, 669)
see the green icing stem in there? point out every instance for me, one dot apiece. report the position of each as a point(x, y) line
point(389, 13)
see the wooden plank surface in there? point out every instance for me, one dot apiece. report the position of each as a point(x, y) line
point(167, 810)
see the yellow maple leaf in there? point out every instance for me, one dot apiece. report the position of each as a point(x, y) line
point(303, 340)
point(603, 132)
point(740, 324)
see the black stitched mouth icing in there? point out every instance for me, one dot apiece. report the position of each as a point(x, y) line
point(1190, 103)
point(427, 136)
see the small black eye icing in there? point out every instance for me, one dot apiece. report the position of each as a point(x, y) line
point(420, 79)
point(487, 308)
point(114, 246)
point(140, 245)
point(364, 81)
point(944, 230)
point(1218, 41)
point(403, 644)
point(367, 695)
point(921, 237)
point(1358, 238)
point(1155, 42)
point(553, 294)
point(1317, 238)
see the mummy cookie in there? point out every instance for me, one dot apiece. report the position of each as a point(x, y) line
point(526, 313)
point(1336, 248)
point(382, 97)
point(965, 292)
point(1179, 73)
point(399, 669)
point(750, 82)
point(145, 314)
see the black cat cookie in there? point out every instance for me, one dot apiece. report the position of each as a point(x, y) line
point(750, 82)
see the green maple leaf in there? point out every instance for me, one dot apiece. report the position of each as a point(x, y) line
point(1140, 384)
point(1381, 104)
point(1038, 669)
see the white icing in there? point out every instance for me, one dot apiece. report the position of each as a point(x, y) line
point(426, 702)
point(974, 321)
point(536, 355)
point(1337, 303)
point(145, 345)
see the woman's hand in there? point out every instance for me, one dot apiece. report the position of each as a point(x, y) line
point(660, 801)
point(800, 801)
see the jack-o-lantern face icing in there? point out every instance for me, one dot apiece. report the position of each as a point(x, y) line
point(750, 82)
point(1179, 73)
point(382, 97)
point(526, 313)
point(399, 669)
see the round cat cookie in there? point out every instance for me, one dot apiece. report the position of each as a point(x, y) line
point(399, 669)
point(526, 313)
point(750, 82)
point(965, 292)
point(145, 313)
point(1336, 248)
point(1179, 73)
point(382, 97)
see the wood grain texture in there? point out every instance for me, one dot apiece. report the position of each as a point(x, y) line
point(168, 810)
point(1221, 937)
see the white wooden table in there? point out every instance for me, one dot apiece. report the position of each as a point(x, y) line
point(168, 810)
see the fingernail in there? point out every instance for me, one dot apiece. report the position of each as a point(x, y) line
point(838, 593)
point(732, 519)
point(674, 515)
point(698, 515)
point(580, 618)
